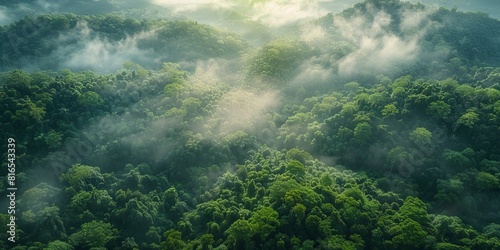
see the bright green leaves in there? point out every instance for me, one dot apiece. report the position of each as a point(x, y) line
point(398, 93)
point(401, 82)
point(439, 109)
point(448, 84)
point(421, 136)
point(496, 108)
point(189, 40)
point(49, 224)
point(264, 221)
point(38, 197)
point(398, 157)
point(19, 80)
point(492, 230)
point(483, 242)
point(408, 235)
point(326, 180)
point(206, 241)
point(449, 246)
point(465, 91)
point(296, 169)
point(191, 105)
point(469, 119)
point(241, 230)
point(390, 110)
point(312, 224)
point(90, 99)
point(59, 245)
point(452, 228)
point(173, 72)
point(173, 240)
point(279, 188)
point(173, 90)
point(456, 160)
point(352, 193)
point(29, 111)
point(284, 199)
point(137, 70)
point(298, 212)
point(238, 142)
point(412, 228)
point(93, 234)
point(292, 198)
point(414, 225)
point(299, 155)
point(349, 109)
point(377, 100)
point(362, 100)
point(337, 242)
point(85, 206)
point(415, 209)
point(170, 197)
point(362, 133)
point(277, 60)
point(81, 177)
point(139, 215)
point(311, 198)
point(286, 192)
point(210, 211)
point(486, 181)
point(52, 139)
point(449, 191)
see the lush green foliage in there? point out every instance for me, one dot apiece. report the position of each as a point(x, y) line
point(265, 154)
point(40, 42)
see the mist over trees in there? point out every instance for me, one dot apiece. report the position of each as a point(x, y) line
point(231, 125)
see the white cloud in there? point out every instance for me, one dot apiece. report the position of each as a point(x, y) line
point(274, 13)
point(379, 54)
point(418, 22)
point(48, 6)
point(313, 72)
point(182, 6)
point(98, 54)
point(241, 109)
point(279, 13)
point(4, 16)
point(378, 47)
point(312, 34)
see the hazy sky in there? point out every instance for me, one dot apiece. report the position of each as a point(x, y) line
point(276, 13)
point(492, 7)
point(101, 55)
point(4, 16)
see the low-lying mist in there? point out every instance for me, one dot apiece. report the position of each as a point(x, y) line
point(336, 116)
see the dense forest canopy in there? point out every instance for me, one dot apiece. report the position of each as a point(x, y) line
point(251, 124)
point(490, 7)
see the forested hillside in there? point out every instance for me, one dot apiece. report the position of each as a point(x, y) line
point(101, 43)
point(373, 128)
point(490, 7)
